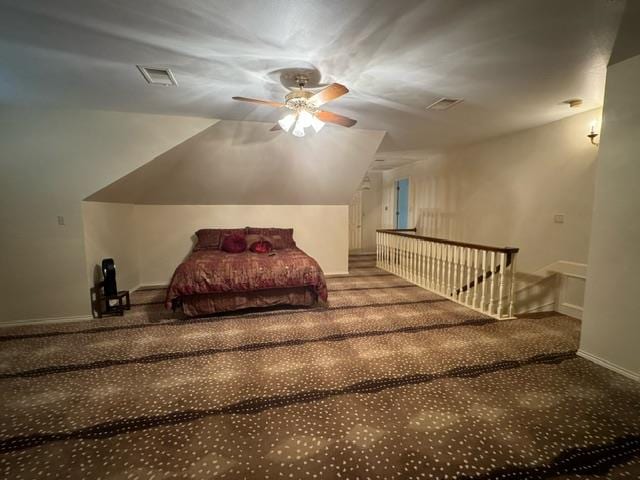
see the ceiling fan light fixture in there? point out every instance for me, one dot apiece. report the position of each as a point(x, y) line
point(316, 123)
point(305, 118)
point(298, 130)
point(287, 121)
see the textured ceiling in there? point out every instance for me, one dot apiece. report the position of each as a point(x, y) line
point(514, 61)
point(243, 163)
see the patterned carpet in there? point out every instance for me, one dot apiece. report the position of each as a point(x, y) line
point(389, 381)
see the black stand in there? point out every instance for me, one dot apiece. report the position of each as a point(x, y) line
point(102, 303)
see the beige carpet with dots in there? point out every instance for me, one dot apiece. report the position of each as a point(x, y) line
point(388, 381)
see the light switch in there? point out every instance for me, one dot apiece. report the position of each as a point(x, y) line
point(558, 218)
point(60, 220)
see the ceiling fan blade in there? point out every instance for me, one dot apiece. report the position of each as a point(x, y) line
point(335, 118)
point(261, 102)
point(275, 128)
point(332, 92)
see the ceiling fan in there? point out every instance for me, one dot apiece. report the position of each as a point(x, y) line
point(304, 106)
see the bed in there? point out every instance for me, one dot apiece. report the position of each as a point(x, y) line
point(212, 280)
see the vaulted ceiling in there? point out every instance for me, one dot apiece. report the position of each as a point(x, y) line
point(513, 61)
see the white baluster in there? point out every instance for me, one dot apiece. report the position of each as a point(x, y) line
point(454, 287)
point(513, 283)
point(492, 290)
point(409, 258)
point(405, 258)
point(443, 272)
point(398, 256)
point(414, 262)
point(501, 280)
point(438, 251)
point(449, 262)
point(475, 277)
point(392, 240)
point(425, 263)
point(403, 249)
point(395, 255)
point(484, 280)
point(467, 264)
point(461, 254)
point(427, 260)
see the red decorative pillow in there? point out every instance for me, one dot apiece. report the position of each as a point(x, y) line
point(234, 243)
point(281, 237)
point(261, 246)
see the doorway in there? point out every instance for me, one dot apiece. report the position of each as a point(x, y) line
point(355, 222)
point(402, 204)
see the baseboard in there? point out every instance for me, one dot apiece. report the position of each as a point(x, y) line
point(537, 308)
point(570, 310)
point(44, 320)
point(147, 286)
point(611, 366)
point(332, 274)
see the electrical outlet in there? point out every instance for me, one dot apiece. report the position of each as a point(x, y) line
point(60, 220)
point(558, 218)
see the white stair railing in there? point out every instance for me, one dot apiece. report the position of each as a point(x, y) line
point(480, 277)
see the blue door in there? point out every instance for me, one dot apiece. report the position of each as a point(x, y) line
point(402, 203)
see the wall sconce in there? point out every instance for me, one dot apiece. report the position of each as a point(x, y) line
point(592, 134)
point(366, 183)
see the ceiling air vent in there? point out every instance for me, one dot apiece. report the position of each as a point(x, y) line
point(444, 103)
point(158, 75)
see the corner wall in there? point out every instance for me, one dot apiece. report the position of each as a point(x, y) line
point(51, 160)
point(611, 322)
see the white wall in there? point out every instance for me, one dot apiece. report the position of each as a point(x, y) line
point(611, 322)
point(165, 233)
point(149, 241)
point(50, 160)
point(110, 231)
point(505, 191)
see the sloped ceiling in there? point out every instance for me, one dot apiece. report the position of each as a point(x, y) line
point(243, 163)
point(514, 61)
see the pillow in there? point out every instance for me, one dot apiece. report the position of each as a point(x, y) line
point(279, 237)
point(208, 239)
point(261, 246)
point(259, 243)
point(234, 243)
point(211, 238)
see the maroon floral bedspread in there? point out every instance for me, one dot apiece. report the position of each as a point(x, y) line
point(214, 271)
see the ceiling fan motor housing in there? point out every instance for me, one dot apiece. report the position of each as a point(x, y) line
point(299, 99)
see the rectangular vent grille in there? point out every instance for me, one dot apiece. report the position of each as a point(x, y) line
point(444, 103)
point(158, 75)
